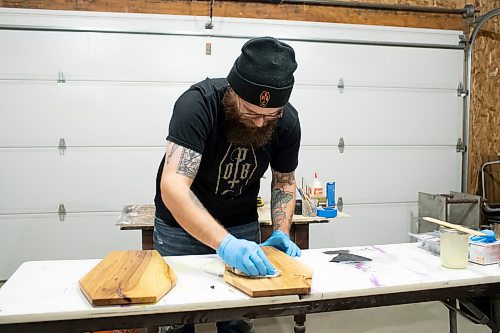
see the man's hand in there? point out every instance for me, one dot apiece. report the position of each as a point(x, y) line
point(282, 242)
point(245, 255)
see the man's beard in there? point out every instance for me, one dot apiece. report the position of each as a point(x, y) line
point(240, 134)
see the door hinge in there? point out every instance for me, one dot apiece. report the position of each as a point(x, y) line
point(341, 145)
point(340, 85)
point(61, 212)
point(461, 92)
point(340, 204)
point(62, 146)
point(61, 79)
point(461, 147)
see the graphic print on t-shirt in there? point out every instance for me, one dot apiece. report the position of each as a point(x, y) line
point(235, 170)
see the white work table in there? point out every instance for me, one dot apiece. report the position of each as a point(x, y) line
point(45, 295)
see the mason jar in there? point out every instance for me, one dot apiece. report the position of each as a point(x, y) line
point(454, 246)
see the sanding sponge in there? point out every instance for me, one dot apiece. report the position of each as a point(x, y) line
point(240, 273)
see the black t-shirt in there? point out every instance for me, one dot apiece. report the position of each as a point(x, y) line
point(228, 179)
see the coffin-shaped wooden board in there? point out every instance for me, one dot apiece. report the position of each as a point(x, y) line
point(128, 277)
point(295, 278)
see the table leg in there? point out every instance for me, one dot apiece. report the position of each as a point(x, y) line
point(299, 326)
point(147, 244)
point(299, 233)
point(265, 232)
point(452, 316)
point(495, 304)
point(147, 239)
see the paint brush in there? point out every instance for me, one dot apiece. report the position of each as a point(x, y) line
point(305, 197)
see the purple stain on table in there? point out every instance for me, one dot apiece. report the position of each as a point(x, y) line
point(421, 274)
point(379, 249)
point(373, 279)
point(409, 268)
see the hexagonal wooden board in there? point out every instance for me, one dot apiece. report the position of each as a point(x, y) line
point(294, 279)
point(128, 277)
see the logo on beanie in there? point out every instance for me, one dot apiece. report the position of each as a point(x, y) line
point(265, 96)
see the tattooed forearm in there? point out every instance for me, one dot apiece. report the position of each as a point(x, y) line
point(283, 178)
point(189, 162)
point(173, 147)
point(279, 201)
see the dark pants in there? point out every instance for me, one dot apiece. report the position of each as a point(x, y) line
point(171, 241)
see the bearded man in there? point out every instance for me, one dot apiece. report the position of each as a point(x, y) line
point(223, 135)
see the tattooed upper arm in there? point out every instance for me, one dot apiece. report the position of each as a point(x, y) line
point(187, 161)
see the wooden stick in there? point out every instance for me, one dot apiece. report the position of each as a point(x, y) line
point(308, 200)
point(455, 226)
point(305, 197)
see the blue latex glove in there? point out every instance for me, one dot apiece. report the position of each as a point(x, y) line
point(489, 238)
point(282, 242)
point(245, 255)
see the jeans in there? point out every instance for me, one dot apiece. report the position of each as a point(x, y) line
point(171, 241)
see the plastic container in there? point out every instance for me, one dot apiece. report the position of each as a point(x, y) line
point(309, 207)
point(328, 212)
point(428, 241)
point(317, 187)
point(454, 250)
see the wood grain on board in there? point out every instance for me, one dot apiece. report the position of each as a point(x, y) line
point(128, 277)
point(295, 278)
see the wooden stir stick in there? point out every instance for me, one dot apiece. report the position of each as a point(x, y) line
point(455, 226)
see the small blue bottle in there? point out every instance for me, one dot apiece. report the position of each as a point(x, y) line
point(330, 194)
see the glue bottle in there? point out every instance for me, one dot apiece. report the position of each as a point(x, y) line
point(317, 188)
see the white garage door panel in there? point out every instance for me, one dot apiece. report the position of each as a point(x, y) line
point(382, 175)
point(28, 110)
point(97, 56)
point(226, 25)
point(366, 225)
point(375, 65)
point(82, 179)
point(90, 56)
point(224, 53)
point(46, 238)
point(88, 115)
point(377, 117)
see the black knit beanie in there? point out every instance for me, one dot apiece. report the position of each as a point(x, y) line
point(263, 73)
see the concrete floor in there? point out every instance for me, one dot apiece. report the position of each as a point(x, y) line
point(431, 317)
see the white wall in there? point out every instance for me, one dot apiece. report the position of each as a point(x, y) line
point(398, 114)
